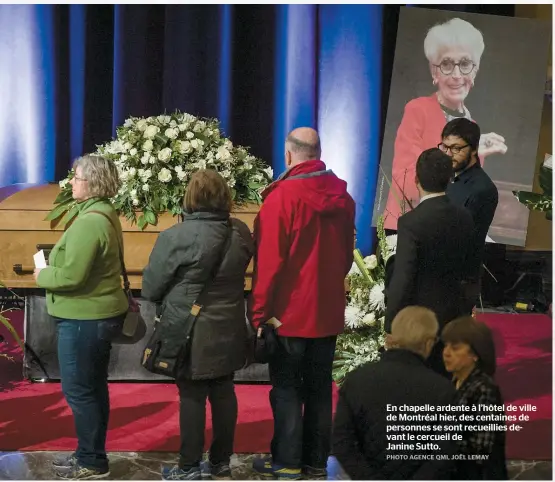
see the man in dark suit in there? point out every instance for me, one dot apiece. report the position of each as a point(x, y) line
point(364, 433)
point(473, 189)
point(433, 244)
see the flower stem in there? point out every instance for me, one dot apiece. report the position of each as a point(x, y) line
point(359, 260)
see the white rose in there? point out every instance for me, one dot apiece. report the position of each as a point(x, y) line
point(369, 319)
point(135, 202)
point(146, 187)
point(182, 127)
point(133, 152)
point(371, 261)
point(152, 160)
point(164, 175)
point(151, 131)
point(228, 144)
point(164, 119)
point(185, 147)
point(133, 193)
point(147, 174)
point(208, 132)
point(195, 144)
point(141, 125)
point(127, 146)
point(198, 127)
point(181, 175)
point(123, 158)
point(165, 154)
point(190, 135)
point(171, 133)
point(223, 153)
point(173, 123)
point(148, 145)
point(63, 183)
point(145, 158)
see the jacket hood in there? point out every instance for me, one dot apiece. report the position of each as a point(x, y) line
point(316, 186)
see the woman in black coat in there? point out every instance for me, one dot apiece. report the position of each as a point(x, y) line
point(179, 265)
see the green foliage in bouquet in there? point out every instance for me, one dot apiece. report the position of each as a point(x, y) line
point(7, 324)
point(156, 157)
point(365, 310)
point(542, 202)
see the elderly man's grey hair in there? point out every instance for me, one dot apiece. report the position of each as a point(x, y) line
point(413, 327)
point(101, 175)
point(454, 33)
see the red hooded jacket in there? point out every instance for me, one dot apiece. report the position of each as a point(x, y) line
point(304, 235)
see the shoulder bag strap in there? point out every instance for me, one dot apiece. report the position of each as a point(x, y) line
point(126, 284)
point(197, 305)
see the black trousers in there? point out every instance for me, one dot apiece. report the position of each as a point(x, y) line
point(192, 419)
point(301, 374)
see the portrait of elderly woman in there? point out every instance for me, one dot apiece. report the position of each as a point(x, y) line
point(84, 295)
point(453, 51)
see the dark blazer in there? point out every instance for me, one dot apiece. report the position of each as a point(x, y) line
point(360, 435)
point(178, 267)
point(474, 190)
point(433, 243)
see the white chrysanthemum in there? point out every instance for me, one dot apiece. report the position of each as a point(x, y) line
point(377, 298)
point(353, 316)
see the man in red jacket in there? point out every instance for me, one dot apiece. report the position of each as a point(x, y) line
point(304, 235)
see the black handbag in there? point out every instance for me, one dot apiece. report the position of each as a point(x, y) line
point(170, 344)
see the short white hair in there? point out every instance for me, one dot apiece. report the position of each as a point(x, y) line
point(413, 326)
point(454, 33)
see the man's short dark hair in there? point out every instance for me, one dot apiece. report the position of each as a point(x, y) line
point(467, 130)
point(434, 170)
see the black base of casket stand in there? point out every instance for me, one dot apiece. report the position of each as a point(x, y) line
point(41, 337)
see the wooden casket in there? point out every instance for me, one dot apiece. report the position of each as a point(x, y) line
point(23, 231)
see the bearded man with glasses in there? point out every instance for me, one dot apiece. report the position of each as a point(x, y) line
point(472, 188)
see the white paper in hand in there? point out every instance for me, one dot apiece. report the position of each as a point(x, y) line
point(40, 261)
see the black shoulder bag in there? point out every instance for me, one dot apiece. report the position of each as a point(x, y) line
point(171, 343)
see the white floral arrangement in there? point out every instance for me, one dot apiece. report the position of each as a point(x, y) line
point(156, 157)
point(364, 314)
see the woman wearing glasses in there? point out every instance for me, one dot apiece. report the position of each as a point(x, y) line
point(453, 50)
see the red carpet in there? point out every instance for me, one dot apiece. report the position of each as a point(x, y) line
point(144, 417)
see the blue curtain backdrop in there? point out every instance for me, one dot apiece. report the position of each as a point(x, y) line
point(72, 73)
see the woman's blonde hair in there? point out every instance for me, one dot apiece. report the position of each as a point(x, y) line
point(101, 175)
point(208, 191)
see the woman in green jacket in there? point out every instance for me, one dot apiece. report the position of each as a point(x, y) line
point(84, 295)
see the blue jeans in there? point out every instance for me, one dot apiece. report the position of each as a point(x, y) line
point(301, 377)
point(84, 354)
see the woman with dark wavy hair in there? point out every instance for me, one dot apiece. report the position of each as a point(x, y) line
point(469, 354)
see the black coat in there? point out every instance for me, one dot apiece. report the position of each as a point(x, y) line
point(360, 427)
point(179, 264)
point(433, 246)
point(474, 190)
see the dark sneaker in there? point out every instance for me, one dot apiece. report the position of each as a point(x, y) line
point(315, 473)
point(267, 468)
point(77, 472)
point(65, 461)
point(215, 471)
point(176, 473)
